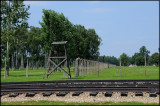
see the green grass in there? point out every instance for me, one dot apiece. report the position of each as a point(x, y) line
point(71, 103)
point(106, 74)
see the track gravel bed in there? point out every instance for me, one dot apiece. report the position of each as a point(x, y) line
point(85, 97)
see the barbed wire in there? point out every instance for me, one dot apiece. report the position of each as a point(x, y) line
point(84, 66)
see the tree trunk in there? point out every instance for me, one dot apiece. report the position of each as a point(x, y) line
point(7, 64)
point(46, 59)
point(7, 67)
point(37, 65)
point(5, 73)
point(22, 65)
point(16, 59)
point(12, 63)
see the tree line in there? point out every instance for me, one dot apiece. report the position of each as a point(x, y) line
point(20, 42)
point(137, 59)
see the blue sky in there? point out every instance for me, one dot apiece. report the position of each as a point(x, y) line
point(123, 26)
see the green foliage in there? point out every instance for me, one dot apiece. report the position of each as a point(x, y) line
point(35, 45)
point(143, 51)
point(124, 59)
point(154, 59)
point(82, 43)
point(14, 13)
point(109, 59)
point(140, 60)
point(14, 17)
point(55, 27)
point(134, 58)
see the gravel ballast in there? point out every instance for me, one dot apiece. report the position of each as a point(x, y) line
point(85, 97)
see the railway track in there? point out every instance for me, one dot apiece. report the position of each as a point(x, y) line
point(151, 86)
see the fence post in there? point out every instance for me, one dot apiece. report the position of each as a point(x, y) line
point(145, 66)
point(83, 66)
point(27, 69)
point(120, 66)
point(80, 64)
point(98, 69)
point(76, 67)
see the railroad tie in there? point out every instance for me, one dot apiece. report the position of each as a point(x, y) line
point(30, 94)
point(76, 93)
point(158, 93)
point(108, 94)
point(124, 94)
point(13, 94)
point(47, 93)
point(61, 93)
point(2, 94)
point(152, 95)
point(93, 93)
point(138, 94)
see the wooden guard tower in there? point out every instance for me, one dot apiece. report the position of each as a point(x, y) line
point(57, 52)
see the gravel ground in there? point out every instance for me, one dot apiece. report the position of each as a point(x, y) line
point(85, 97)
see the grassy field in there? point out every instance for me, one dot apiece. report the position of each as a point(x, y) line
point(106, 74)
point(64, 103)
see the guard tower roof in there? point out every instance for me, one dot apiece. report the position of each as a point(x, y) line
point(59, 42)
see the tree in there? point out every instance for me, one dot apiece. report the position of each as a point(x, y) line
point(55, 27)
point(140, 60)
point(93, 41)
point(144, 52)
point(109, 59)
point(14, 15)
point(124, 59)
point(154, 59)
point(35, 46)
point(82, 43)
point(134, 58)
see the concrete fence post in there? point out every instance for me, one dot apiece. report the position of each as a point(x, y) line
point(83, 66)
point(27, 69)
point(76, 67)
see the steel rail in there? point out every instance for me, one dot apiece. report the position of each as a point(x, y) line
point(81, 86)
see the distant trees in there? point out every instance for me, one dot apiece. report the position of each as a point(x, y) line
point(124, 59)
point(154, 59)
point(109, 59)
point(35, 47)
point(133, 58)
point(139, 58)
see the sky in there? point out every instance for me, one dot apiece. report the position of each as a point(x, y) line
point(123, 26)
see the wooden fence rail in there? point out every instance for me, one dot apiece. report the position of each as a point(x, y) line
point(83, 66)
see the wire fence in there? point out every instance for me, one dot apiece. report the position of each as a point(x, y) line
point(83, 66)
